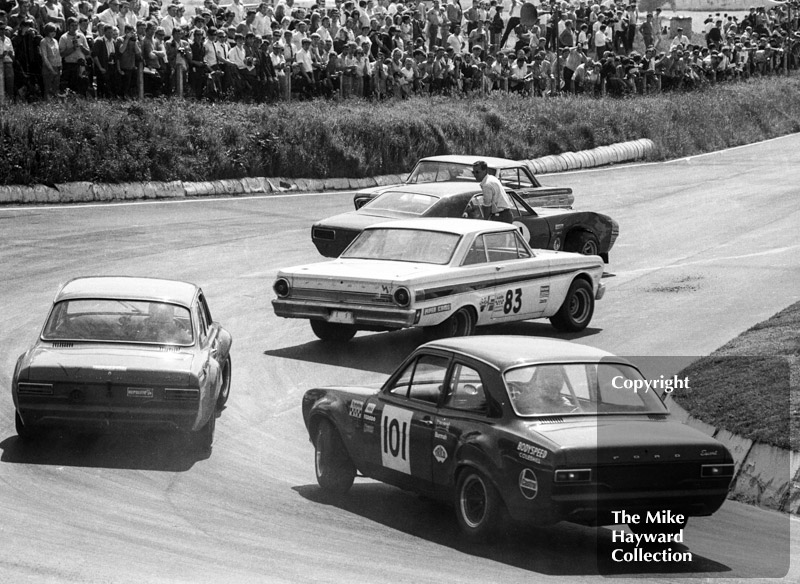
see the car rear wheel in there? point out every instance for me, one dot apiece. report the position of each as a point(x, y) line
point(333, 331)
point(478, 506)
point(577, 310)
point(23, 431)
point(460, 324)
point(225, 388)
point(582, 242)
point(334, 469)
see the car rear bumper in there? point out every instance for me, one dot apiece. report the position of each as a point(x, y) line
point(89, 417)
point(377, 316)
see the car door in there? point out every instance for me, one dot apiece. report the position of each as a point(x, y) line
point(521, 278)
point(404, 412)
point(463, 413)
point(208, 340)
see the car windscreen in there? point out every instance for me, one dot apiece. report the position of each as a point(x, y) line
point(404, 245)
point(437, 171)
point(579, 388)
point(408, 203)
point(123, 321)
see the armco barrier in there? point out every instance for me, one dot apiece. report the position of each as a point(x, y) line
point(78, 192)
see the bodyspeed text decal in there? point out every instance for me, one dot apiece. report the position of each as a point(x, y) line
point(531, 452)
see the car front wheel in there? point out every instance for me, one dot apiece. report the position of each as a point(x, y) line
point(23, 431)
point(333, 331)
point(582, 242)
point(225, 388)
point(577, 310)
point(334, 469)
point(478, 506)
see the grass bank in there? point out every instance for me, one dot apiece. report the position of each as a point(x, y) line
point(172, 140)
point(750, 385)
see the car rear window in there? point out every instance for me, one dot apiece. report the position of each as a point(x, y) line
point(408, 203)
point(125, 321)
point(403, 245)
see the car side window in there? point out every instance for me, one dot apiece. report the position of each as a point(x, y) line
point(522, 250)
point(501, 247)
point(466, 390)
point(204, 308)
point(510, 178)
point(476, 253)
point(423, 379)
point(203, 322)
point(525, 179)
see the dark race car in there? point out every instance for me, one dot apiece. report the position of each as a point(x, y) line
point(516, 175)
point(543, 429)
point(565, 229)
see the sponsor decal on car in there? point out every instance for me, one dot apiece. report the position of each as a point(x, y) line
point(544, 294)
point(356, 407)
point(530, 452)
point(490, 302)
point(442, 427)
point(528, 485)
point(370, 408)
point(440, 453)
point(436, 309)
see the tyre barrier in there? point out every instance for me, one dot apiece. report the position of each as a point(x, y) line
point(84, 192)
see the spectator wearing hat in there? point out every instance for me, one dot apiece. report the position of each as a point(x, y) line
point(104, 57)
point(280, 86)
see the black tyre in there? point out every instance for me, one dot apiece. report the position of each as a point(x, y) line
point(333, 331)
point(578, 308)
point(479, 508)
point(225, 388)
point(334, 469)
point(459, 324)
point(23, 431)
point(582, 242)
point(203, 439)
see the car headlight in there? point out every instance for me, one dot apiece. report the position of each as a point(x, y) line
point(402, 297)
point(574, 475)
point(713, 471)
point(281, 287)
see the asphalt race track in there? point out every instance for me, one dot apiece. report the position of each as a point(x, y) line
point(708, 247)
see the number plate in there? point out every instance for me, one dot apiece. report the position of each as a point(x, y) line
point(342, 316)
point(140, 392)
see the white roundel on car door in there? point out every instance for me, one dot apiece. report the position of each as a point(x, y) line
point(395, 439)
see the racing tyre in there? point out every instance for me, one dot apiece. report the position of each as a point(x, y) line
point(582, 242)
point(23, 431)
point(478, 506)
point(225, 388)
point(332, 465)
point(577, 310)
point(333, 331)
point(459, 324)
point(203, 439)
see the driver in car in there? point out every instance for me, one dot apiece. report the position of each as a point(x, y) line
point(161, 326)
point(542, 395)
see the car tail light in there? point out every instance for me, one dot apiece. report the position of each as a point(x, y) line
point(34, 388)
point(281, 287)
point(713, 471)
point(574, 475)
point(402, 297)
point(182, 394)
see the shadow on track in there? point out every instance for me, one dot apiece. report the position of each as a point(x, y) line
point(164, 451)
point(382, 352)
point(563, 549)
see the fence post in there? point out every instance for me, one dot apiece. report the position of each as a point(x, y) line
point(140, 79)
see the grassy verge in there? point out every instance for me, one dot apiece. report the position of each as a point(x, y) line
point(172, 140)
point(750, 385)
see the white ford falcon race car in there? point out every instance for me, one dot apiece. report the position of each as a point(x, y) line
point(444, 275)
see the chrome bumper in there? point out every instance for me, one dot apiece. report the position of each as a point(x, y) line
point(601, 290)
point(362, 315)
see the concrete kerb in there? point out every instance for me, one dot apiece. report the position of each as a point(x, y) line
point(765, 477)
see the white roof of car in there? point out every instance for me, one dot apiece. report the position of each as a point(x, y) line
point(445, 225)
point(491, 161)
point(129, 288)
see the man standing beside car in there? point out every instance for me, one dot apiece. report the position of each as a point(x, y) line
point(496, 202)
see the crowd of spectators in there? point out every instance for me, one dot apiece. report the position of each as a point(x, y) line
point(375, 48)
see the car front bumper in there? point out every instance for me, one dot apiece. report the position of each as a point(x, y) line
point(357, 315)
point(601, 291)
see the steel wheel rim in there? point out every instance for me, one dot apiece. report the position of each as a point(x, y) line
point(579, 305)
point(589, 247)
point(473, 502)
